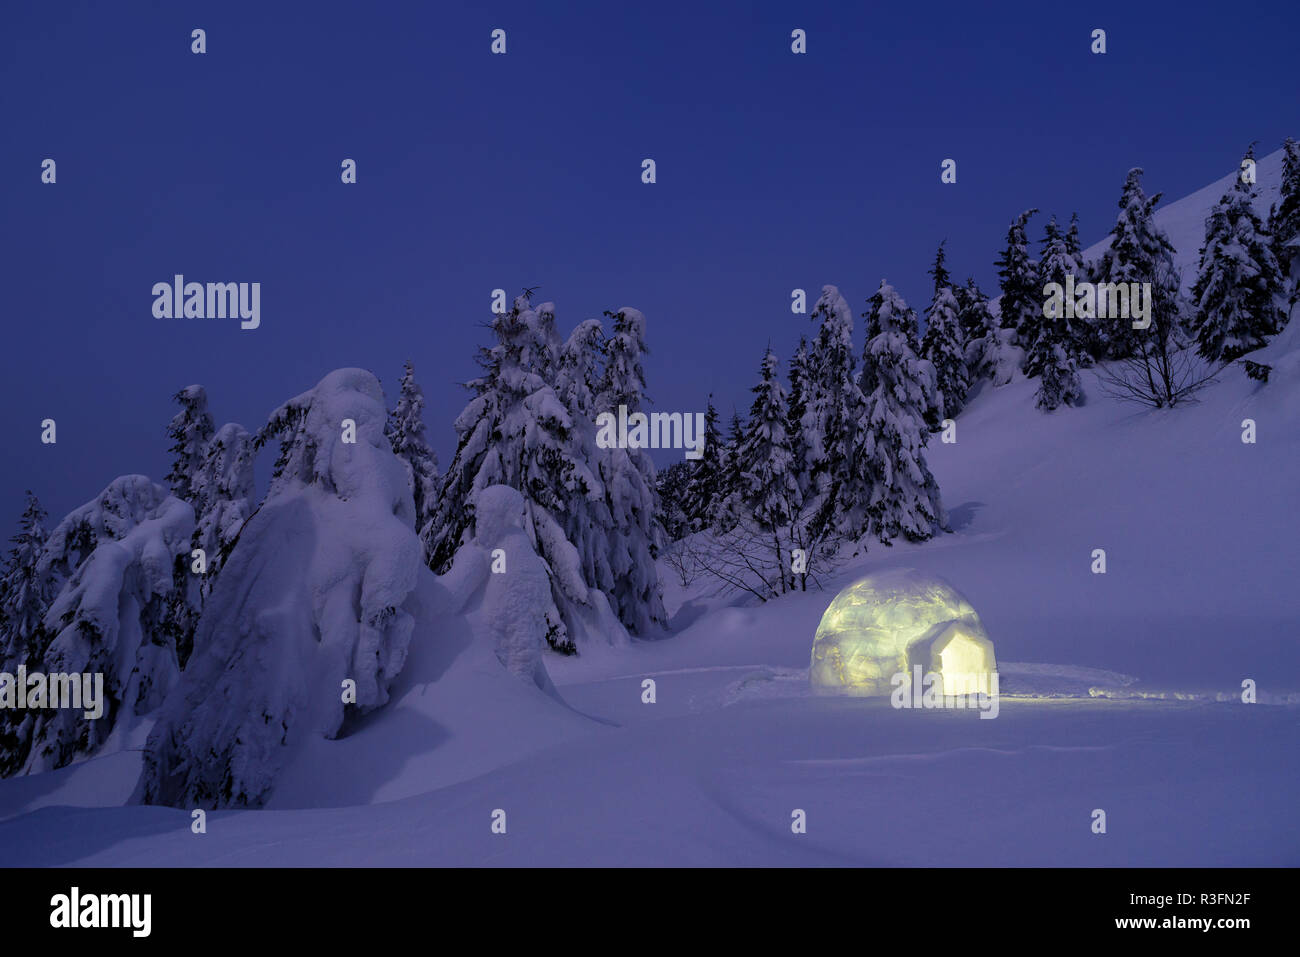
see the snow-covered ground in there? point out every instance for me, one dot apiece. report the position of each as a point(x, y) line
point(1121, 691)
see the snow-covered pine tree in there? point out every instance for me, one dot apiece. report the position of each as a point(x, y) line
point(113, 559)
point(768, 487)
point(1239, 287)
point(1022, 294)
point(1139, 252)
point(1284, 221)
point(579, 379)
point(973, 310)
point(1086, 336)
point(190, 431)
point(704, 491)
point(946, 353)
point(515, 431)
point(938, 270)
point(226, 489)
point(752, 548)
point(990, 353)
point(628, 475)
point(1052, 354)
point(26, 589)
point(1056, 265)
point(834, 402)
point(800, 389)
point(1059, 376)
point(944, 347)
point(671, 486)
point(1073, 248)
point(732, 482)
point(580, 368)
point(406, 433)
point(901, 496)
point(545, 360)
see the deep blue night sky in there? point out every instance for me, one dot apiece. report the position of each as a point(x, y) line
point(478, 171)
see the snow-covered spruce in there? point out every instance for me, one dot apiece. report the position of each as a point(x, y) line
point(1057, 264)
point(943, 348)
point(987, 353)
point(800, 389)
point(1284, 221)
point(579, 369)
point(833, 402)
point(706, 487)
point(900, 495)
point(1139, 252)
point(406, 433)
point(1059, 382)
point(628, 476)
point(225, 496)
point(591, 511)
point(732, 507)
point(974, 311)
point(1022, 294)
point(1239, 288)
point(766, 479)
point(25, 595)
point(1058, 341)
point(515, 431)
point(313, 595)
point(25, 590)
point(670, 485)
point(944, 345)
point(213, 472)
point(579, 375)
point(118, 556)
point(190, 431)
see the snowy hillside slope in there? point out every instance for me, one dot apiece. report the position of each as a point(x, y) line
point(1198, 596)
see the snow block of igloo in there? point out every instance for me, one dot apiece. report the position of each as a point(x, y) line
point(892, 621)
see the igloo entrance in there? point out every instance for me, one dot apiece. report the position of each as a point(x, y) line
point(890, 623)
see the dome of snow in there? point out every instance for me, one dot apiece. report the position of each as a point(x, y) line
point(889, 622)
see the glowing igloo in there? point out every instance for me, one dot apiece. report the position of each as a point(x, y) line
point(891, 621)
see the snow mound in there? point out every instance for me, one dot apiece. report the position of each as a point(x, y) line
point(516, 608)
